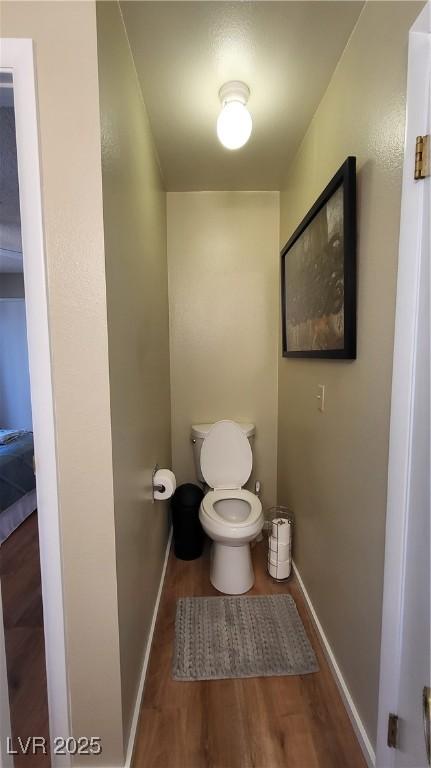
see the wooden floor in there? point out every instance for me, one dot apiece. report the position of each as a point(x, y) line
point(24, 638)
point(278, 722)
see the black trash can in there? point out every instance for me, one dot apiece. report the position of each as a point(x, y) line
point(188, 533)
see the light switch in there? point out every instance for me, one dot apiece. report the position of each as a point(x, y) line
point(321, 397)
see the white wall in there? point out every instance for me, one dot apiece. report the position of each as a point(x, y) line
point(134, 207)
point(223, 302)
point(332, 466)
point(15, 405)
point(65, 44)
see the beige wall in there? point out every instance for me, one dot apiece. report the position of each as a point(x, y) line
point(332, 467)
point(223, 272)
point(223, 300)
point(134, 205)
point(69, 126)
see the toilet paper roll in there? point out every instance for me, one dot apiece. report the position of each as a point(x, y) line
point(165, 478)
point(278, 551)
point(279, 570)
point(281, 530)
point(273, 560)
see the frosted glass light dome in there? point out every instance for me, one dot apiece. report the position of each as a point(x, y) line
point(234, 124)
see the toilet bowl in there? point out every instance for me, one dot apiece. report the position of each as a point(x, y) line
point(230, 515)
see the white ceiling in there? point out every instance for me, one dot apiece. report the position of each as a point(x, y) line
point(286, 52)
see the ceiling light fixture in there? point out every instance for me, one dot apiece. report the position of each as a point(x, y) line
point(234, 122)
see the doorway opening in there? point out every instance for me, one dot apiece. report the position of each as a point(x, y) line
point(20, 575)
point(41, 530)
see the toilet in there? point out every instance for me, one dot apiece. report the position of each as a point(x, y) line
point(230, 515)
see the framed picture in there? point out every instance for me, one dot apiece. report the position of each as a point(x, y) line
point(318, 275)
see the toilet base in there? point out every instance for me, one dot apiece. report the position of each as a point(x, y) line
point(231, 568)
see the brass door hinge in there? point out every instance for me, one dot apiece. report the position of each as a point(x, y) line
point(393, 731)
point(422, 157)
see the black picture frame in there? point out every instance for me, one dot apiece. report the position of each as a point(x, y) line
point(311, 275)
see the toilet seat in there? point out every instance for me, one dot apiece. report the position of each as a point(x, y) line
point(212, 497)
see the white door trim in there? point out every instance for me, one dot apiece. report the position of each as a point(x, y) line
point(6, 760)
point(16, 55)
point(403, 382)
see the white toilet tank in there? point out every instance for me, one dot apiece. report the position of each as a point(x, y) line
point(198, 435)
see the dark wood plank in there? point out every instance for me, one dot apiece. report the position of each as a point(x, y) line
point(278, 722)
point(24, 639)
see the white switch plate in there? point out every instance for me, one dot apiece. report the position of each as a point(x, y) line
point(321, 397)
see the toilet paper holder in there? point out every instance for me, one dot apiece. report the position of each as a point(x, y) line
point(278, 565)
point(163, 483)
point(155, 486)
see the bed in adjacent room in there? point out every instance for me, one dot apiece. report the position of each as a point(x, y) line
point(17, 480)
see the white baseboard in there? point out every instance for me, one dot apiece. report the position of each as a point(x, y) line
point(349, 704)
point(137, 710)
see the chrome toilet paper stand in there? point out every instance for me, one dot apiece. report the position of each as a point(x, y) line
point(276, 578)
point(286, 514)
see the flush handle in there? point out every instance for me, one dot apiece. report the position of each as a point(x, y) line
point(426, 710)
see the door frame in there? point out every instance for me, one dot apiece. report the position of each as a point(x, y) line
point(403, 386)
point(17, 56)
point(6, 760)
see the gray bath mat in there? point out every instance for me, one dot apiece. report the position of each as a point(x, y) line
point(222, 637)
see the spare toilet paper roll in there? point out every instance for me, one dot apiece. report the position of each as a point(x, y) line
point(165, 478)
point(278, 550)
point(279, 570)
point(281, 530)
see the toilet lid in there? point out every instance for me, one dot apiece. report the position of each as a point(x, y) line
point(226, 457)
